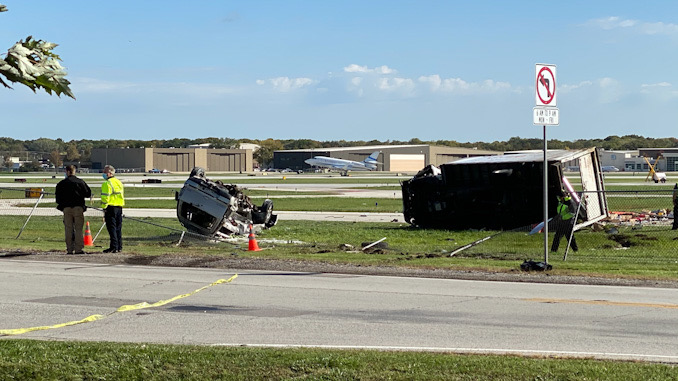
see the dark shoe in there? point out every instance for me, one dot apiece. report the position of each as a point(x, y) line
point(69, 252)
point(109, 250)
point(80, 252)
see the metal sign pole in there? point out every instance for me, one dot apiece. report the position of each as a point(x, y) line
point(546, 204)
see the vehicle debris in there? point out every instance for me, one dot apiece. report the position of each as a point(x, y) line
point(215, 209)
point(378, 244)
point(501, 192)
point(530, 265)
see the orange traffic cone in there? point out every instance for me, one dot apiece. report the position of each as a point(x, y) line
point(253, 245)
point(88, 236)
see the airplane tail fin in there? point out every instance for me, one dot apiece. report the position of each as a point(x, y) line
point(371, 161)
point(373, 156)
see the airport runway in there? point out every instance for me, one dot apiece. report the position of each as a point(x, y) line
point(267, 308)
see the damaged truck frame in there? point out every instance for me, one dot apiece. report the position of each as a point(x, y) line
point(502, 192)
point(214, 209)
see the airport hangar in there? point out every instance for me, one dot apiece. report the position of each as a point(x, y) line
point(174, 159)
point(393, 158)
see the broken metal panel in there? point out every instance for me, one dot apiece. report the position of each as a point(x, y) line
point(494, 192)
point(593, 198)
point(212, 208)
point(560, 156)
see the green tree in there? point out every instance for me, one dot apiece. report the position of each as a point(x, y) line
point(55, 158)
point(264, 155)
point(31, 63)
point(72, 153)
point(7, 161)
point(43, 145)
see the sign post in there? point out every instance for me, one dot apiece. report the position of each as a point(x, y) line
point(545, 113)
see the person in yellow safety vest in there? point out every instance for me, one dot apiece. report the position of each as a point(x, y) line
point(564, 223)
point(112, 201)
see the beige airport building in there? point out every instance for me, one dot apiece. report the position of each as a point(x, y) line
point(174, 159)
point(393, 158)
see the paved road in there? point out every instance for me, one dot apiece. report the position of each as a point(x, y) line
point(333, 310)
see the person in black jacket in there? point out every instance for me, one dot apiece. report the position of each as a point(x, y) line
point(70, 197)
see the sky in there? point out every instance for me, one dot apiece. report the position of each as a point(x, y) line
point(346, 70)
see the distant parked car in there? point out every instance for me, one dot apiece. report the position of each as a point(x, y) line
point(154, 170)
point(610, 168)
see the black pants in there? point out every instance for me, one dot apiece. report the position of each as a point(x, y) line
point(564, 228)
point(675, 218)
point(113, 218)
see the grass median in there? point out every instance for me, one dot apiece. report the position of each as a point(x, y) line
point(27, 359)
point(649, 255)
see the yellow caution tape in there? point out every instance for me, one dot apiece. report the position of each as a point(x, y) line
point(19, 331)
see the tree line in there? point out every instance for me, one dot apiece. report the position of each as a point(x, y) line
point(58, 150)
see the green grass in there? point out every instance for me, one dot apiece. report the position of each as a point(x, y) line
point(629, 202)
point(313, 204)
point(651, 254)
point(151, 191)
point(52, 360)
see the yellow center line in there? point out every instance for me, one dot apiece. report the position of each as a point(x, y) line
point(603, 302)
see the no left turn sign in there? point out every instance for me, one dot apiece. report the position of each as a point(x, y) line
point(545, 94)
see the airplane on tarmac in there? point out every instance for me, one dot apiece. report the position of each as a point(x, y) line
point(369, 164)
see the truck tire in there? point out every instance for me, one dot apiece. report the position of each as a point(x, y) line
point(198, 172)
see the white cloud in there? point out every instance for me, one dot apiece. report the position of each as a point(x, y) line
point(580, 85)
point(436, 84)
point(660, 28)
point(662, 91)
point(93, 85)
point(610, 90)
point(648, 87)
point(396, 84)
point(384, 70)
point(650, 28)
point(286, 84)
point(353, 68)
point(612, 22)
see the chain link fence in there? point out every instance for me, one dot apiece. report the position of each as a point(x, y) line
point(639, 228)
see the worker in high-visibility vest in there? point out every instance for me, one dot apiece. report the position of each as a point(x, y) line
point(564, 223)
point(112, 201)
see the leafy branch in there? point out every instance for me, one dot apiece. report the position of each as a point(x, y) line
point(33, 64)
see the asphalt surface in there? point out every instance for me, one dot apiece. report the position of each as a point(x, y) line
point(290, 309)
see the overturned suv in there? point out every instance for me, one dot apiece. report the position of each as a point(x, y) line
point(212, 208)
